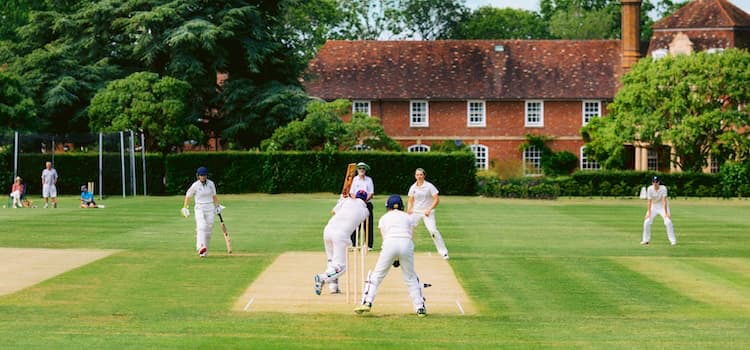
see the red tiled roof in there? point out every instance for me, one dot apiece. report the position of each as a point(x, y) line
point(705, 14)
point(465, 69)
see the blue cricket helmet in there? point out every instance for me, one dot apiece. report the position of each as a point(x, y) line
point(394, 202)
point(361, 194)
point(202, 171)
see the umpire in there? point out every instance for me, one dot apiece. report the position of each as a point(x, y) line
point(363, 182)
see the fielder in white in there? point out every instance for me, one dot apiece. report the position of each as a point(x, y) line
point(656, 194)
point(423, 198)
point(206, 207)
point(49, 185)
point(347, 215)
point(397, 230)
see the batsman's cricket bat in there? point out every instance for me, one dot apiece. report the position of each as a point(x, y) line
point(227, 239)
point(351, 172)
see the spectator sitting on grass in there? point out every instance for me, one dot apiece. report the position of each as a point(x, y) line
point(87, 198)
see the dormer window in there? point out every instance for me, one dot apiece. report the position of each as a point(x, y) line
point(659, 53)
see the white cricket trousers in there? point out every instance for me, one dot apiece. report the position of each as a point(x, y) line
point(429, 223)
point(650, 220)
point(16, 198)
point(336, 244)
point(392, 249)
point(204, 224)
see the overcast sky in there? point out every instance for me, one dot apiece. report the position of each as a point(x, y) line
point(533, 5)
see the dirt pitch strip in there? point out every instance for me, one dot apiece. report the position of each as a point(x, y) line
point(287, 286)
point(24, 267)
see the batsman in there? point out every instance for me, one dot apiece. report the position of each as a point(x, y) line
point(347, 215)
point(206, 207)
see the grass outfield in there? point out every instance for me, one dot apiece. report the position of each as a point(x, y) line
point(565, 274)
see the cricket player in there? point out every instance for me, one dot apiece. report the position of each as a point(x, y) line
point(423, 198)
point(347, 215)
point(49, 185)
point(397, 231)
point(362, 182)
point(206, 207)
point(656, 194)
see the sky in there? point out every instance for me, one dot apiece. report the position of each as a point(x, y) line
point(533, 5)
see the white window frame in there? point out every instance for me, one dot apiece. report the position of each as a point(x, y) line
point(361, 102)
point(418, 148)
point(479, 117)
point(426, 114)
point(659, 53)
point(481, 155)
point(586, 114)
point(532, 155)
point(587, 164)
point(534, 124)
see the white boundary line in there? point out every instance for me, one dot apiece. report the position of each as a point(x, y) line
point(247, 306)
point(460, 308)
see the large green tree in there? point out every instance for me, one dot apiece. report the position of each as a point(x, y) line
point(149, 103)
point(17, 110)
point(698, 104)
point(430, 19)
point(495, 23)
point(591, 19)
point(324, 129)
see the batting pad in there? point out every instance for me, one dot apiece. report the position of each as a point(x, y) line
point(287, 286)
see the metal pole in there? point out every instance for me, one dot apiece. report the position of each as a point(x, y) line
point(101, 166)
point(132, 163)
point(15, 157)
point(122, 161)
point(143, 156)
point(53, 151)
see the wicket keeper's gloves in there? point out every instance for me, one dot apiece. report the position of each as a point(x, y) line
point(396, 263)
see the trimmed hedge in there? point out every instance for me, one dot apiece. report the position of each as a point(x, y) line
point(245, 172)
point(304, 172)
point(601, 183)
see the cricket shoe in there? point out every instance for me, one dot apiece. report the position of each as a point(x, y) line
point(422, 312)
point(318, 284)
point(202, 252)
point(46, 205)
point(644, 243)
point(445, 257)
point(361, 309)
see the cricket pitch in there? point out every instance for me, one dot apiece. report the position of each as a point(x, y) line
point(287, 286)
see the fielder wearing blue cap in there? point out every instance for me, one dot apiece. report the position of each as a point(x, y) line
point(202, 171)
point(396, 227)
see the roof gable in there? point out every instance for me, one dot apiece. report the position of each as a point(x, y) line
point(465, 69)
point(705, 14)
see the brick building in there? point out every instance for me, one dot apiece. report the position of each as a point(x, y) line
point(490, 94)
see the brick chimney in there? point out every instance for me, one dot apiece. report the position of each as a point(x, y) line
point(631, 33)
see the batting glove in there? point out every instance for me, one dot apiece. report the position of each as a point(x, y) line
point(185, 212)
point(218, 209)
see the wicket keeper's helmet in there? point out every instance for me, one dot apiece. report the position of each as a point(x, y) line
point(202, 171)
point(362, 194)
point(394, 202)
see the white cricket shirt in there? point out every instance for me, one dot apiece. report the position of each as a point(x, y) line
point(204, 193)
point(396, 224)
point(422, 195)
point(348, 213)
point(656, 197)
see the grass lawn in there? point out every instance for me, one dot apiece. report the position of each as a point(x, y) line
point(564, 274)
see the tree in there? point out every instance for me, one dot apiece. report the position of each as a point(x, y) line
point(697, 104)
point(323, 129)
point(493, 23)
point(430, 19)
point(17, 110)
point(366, 19)
point(144, 101)
point(591, 19)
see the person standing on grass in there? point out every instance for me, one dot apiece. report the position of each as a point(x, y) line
point(206, 207)
point(347, 215)
point(656, 196)
point(49, 185)
point(397, 229)
point(362, 182)
point(423, 198)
